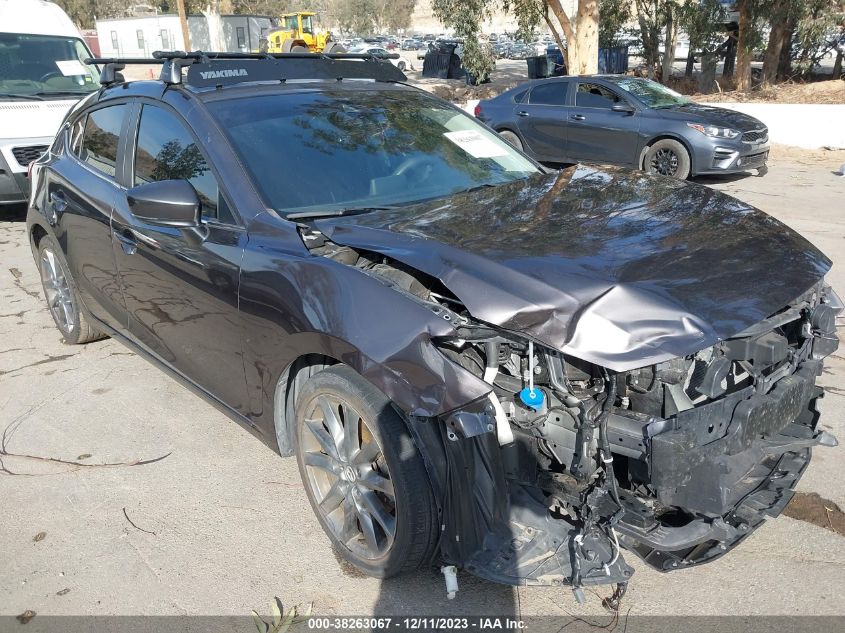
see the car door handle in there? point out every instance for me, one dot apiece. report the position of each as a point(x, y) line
point(58, 202)
point(521, 113)
point(127, 241)
point(577, 117)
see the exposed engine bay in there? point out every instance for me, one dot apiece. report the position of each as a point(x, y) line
point(565, 463)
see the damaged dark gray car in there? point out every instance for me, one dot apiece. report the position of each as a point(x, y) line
point(477, 362)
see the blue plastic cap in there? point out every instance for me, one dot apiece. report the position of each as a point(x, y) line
point(532, 399)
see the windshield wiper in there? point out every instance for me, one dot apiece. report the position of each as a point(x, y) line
point(58, 93)
point(11, 95)
point(333, 213)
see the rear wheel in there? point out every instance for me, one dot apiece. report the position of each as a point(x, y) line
point(511, 138)
point(363, 474)
point(62, 297)
point(667, 158)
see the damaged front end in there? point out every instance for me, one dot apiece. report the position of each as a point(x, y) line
point(676, 462)
point(565, 463)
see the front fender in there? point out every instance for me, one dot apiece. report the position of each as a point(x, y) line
point(296, 304)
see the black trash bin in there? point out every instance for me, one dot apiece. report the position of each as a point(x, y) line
point(539, 67)
point(436, 64)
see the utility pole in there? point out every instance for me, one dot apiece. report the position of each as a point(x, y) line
point(183, 19)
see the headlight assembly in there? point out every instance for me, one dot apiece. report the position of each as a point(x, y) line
point(714, 130)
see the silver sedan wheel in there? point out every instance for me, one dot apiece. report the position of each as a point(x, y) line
point(58, 292)
point(348, 477)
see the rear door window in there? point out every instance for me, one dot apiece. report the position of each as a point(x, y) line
point(101, 137)
point(552, 93)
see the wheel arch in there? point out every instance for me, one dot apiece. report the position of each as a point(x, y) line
point(288, 387)
point(36, 234)
point(671, 137)
point(447, 385)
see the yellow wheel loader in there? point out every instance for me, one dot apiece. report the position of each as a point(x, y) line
point(296, 34)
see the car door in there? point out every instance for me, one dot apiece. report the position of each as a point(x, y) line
point(81, 189)
point(596, 132)
point(181, 284)
point(541, 120)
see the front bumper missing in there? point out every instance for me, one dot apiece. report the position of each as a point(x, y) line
point(498, 526)
point(727, 486)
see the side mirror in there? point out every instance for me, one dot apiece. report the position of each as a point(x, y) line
point(622, 107)
point(166, 203)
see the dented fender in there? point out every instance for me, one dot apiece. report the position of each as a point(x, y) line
point(295, 304)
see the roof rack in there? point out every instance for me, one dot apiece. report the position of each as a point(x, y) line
point(210, 69)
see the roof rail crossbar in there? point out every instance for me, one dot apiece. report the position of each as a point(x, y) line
point(173, 62)
point(111, 67)
point(216, 69)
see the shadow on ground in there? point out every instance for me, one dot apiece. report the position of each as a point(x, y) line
point(13, 213)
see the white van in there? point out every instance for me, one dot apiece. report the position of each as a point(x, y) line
point(41, 77)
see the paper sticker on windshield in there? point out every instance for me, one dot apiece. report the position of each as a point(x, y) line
point(71, 67)
point(475, 144)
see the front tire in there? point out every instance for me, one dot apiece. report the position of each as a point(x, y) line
point(667, 157)
point(363, 474)
point(62, 297)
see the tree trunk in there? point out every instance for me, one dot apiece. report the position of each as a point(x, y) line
point(785, 61)
point(570, 53)
point(743, 50)
point(777, 39)
point(650, 41)
point(707, 77)
point(587, 37)
point(837, 66)
point(669, 51)
point(582, 36)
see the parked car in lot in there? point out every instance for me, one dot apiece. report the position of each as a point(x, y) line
point(476, 360)
point(381, 53)
point(622, 120)
point(41, 76)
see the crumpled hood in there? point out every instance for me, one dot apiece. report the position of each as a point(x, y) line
point(713, 115)
point(609, 265)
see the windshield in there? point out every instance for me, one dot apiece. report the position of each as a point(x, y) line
point(45, 66)
point(651, 93)
point(369, 148)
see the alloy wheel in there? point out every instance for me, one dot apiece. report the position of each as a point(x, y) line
point(664, 162)
point(348, 477)
point(58, 292)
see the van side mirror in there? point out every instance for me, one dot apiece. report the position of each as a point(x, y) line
point(172, 203)
point(621, 106)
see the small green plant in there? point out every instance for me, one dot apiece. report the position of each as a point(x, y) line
point(280, 621)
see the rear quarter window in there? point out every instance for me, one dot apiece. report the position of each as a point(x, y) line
point(101, 136)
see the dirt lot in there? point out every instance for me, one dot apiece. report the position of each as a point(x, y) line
point(123, 493)
point(831, 91)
